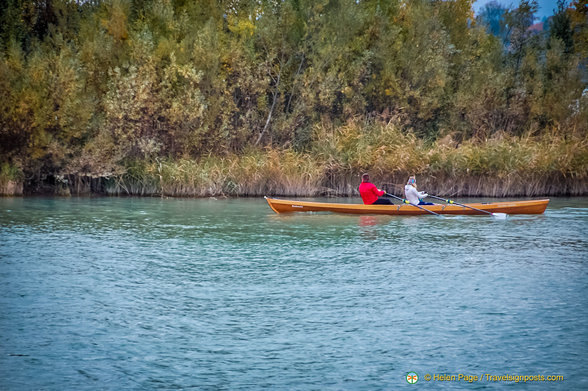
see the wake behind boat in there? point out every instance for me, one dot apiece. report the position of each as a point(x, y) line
point(510, 207)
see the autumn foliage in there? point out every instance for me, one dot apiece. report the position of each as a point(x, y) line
point(299, 97)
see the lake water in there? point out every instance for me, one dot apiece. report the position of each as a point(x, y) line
point(141, 294)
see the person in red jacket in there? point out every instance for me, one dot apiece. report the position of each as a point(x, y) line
point(370, 194)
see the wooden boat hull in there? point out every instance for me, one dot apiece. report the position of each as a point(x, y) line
point(509, 207)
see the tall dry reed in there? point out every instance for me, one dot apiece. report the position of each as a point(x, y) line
point(500, 166)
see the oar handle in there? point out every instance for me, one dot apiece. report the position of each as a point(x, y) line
point(408, 202)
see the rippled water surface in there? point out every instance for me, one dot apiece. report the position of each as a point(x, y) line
point(127, 293)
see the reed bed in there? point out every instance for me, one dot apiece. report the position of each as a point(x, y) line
point(256, 173)
point(498, 167)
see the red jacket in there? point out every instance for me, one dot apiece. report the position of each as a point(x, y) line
point(369, 193)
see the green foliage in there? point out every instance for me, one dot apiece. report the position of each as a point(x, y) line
point(11, 179)
point(9, 172)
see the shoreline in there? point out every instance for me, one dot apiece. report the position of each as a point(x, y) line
point(499, 167)
point(220, 198)
point(476, 187)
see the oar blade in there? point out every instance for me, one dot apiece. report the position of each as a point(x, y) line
point(500, 216)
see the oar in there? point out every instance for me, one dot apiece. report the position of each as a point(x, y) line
point(496, 215)
point(407, 202)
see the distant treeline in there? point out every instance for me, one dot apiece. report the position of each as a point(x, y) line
point(237, 97)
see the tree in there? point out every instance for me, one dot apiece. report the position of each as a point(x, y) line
point(492, 17)
point(579, 25)
point(517, 23)
point(560, 26)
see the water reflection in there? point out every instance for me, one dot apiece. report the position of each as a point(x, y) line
point(367, 221)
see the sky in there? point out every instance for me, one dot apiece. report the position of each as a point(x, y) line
point(546, 7)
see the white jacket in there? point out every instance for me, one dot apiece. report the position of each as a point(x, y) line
point(412, 195)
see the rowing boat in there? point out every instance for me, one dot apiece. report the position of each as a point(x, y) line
point(510, 207)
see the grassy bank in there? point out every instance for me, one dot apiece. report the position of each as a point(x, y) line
point(499, 167)
point(255, 173)
point(549, 165)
